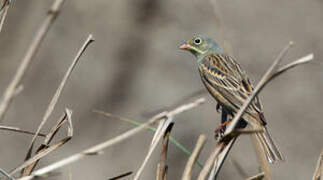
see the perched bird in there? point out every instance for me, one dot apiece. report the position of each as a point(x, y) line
point(230, 87)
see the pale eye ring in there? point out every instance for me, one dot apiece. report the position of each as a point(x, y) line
point(197, 41)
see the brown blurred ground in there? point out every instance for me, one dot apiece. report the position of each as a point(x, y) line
point(135, 66)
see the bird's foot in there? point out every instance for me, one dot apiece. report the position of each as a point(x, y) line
point(219, 131)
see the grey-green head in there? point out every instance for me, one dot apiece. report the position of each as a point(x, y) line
point(200, 46)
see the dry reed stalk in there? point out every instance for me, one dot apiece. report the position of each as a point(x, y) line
point(261, 157)
point(162, 166)
point(54, 100)
point(150, 128)
point(5, 4)
point(31, 52)
point(259, 176)
point(210, 161)
point(187, 174)
point(318, 173)
point(121, 176)
point(94, 150)
point(45, 148)
point(163, 124)
point(16, 129)
point(187, 98)
point(7, 175)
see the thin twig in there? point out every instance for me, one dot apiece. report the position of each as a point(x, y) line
point(191, 161)
point(99, 147)
point(53, 102)
point(121, 175)
point(16, 129)
point(318, 173)
point(25, 62)
point(163, 155)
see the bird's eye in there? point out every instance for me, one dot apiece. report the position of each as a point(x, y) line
point(197, 41)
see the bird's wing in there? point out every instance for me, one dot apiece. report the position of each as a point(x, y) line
point(222, 74)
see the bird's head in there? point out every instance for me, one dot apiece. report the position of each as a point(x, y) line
point(201, 46)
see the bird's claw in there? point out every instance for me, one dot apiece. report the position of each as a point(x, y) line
point(220, 130)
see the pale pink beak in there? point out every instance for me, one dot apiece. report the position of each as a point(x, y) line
point(185, 46)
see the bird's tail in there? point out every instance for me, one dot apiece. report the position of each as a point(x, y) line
point(270, 149)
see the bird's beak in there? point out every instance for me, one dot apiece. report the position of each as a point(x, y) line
point(185, 46)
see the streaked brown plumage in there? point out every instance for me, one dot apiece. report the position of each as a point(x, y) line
point(230, 86)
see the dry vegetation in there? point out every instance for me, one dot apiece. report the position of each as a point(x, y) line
point(164, 120)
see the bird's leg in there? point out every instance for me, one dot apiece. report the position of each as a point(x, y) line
point(219, 131)
point(218, 107)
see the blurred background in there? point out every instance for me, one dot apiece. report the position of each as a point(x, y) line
point(135, 67)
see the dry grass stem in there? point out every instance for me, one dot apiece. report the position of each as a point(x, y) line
point(160, 121)
point(150, 128)
point(3, 11)
point(45, 148)
point(163, 125)
point(53, 102)
point(318, 173)
point(209, 162)
point(220, 157)
point(259, 176)
point(121, 176)
point(183, 100)
point(187, 175)
point(99, 147)
point(33, 48)
point(261, 157)
point(238, 132)
point(187, 106)
point(8, 176)
point(286, 67)
point(162, 166)
point(18, 90)
point(16, 129)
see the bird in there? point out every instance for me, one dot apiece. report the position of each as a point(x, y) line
point(230, 86)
